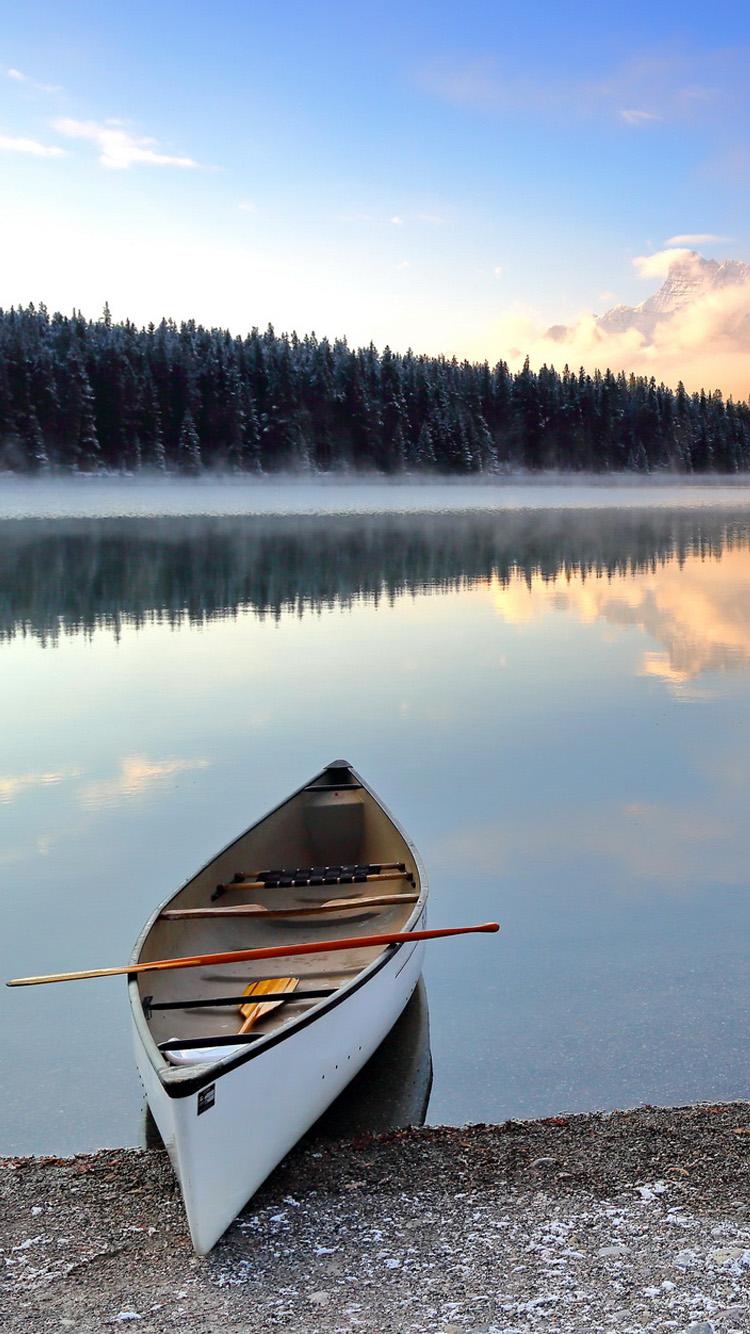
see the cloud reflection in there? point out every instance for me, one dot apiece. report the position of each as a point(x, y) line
point(138, 775)
point(626, 846)
point(697, 610)
point(14, 785)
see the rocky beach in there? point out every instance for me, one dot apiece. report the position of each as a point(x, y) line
point(635, 1221)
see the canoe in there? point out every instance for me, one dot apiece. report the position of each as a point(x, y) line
point(329, 863)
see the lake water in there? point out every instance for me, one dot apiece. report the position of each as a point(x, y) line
point(548, 685)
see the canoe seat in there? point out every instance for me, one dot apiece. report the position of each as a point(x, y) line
point(281, 877)
point(334, 818)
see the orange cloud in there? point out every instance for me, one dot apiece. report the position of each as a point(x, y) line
point(696, 328)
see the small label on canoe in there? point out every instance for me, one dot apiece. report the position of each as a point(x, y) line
point(206, 1098)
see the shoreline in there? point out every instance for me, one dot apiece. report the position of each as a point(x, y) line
point(634, 1220)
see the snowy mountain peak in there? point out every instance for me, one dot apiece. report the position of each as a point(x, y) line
point(689, 277)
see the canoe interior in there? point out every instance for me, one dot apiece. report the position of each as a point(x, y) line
point(334, 821)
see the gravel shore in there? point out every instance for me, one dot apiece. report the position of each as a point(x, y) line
point(632, 1222)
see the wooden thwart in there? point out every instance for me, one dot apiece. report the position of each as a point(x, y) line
point(213, 1002)
point(255, 910)
point(248, 956)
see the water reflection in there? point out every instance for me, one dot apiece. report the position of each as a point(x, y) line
point(393, 1089)
point(556, 705)
point(67, 576)
point(696, 607)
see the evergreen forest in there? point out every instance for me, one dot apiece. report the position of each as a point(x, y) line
point(86, 396)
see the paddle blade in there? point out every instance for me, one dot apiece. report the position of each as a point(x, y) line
point(255, 1008)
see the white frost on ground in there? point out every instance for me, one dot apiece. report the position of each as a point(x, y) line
point(541, 1266)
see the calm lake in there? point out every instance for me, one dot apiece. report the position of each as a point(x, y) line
point(549, 686)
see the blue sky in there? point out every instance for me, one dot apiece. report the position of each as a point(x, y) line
point(413, 174)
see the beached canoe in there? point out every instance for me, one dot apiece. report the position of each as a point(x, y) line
point(327, 864)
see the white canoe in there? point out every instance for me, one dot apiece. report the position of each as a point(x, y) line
point(229, 1111)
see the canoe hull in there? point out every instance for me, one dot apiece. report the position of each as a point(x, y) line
point(257, 1111)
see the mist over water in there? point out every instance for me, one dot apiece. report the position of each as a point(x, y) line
point(151, 495)
point(549, 686)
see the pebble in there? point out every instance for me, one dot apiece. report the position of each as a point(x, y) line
point(723, 1254)
point(486, 1244)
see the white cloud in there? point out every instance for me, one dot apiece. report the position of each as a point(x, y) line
point(659, 264)
point(498, 271)
point(397, 221)
point(13, 144)
point(636, 117)
point(118, 148)
point(405, 264)
point(18, 76)
point(694, 238)
point(247, 206)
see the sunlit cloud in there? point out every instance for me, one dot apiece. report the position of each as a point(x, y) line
point(31, 147)
point(18, 76)
point(138, 775)
point(15, 785)
point(695, 238)
point(659, 264)
point(118, 148)
point(698, 333)
point(397, 221)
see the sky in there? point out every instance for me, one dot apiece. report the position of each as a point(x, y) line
point(454, 179)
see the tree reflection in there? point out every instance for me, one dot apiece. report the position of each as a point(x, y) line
point(75, 576)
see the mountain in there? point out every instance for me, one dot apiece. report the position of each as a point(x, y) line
point(689, 278)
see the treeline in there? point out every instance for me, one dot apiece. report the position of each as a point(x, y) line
point(74, 576)
point(85, 396)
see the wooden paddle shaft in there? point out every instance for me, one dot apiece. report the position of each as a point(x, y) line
point(249, 956)
point(255, 910)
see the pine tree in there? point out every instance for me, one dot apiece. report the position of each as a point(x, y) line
point(189, 457)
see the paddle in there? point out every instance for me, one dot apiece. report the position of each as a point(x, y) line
point(247, 956)
point(255, 1008)
point(256, 910)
